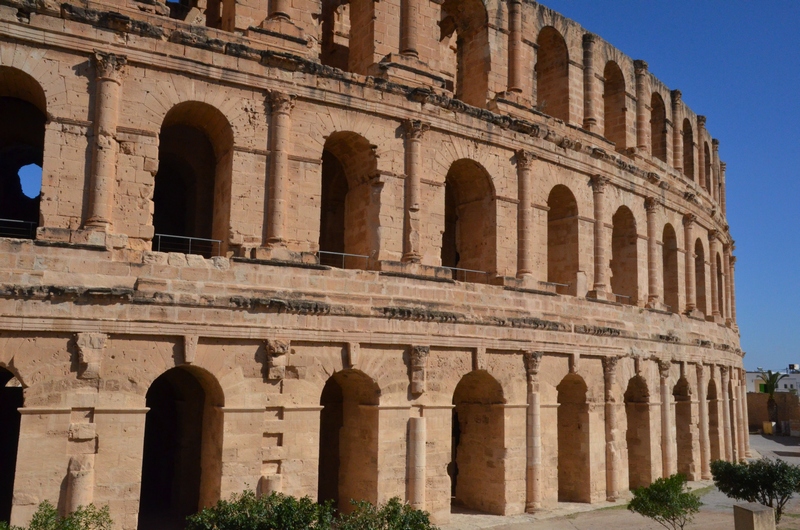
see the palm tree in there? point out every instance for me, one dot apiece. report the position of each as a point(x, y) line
point(771, 380)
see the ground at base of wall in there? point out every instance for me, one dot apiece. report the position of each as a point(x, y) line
point(716, 513)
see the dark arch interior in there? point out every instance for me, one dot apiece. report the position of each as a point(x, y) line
point(11, 399)
point(552, 74)
point(348, 440)
point(700, 275)
point(638, 435)
point(562, 240)
point(332, 215)
point(714, 434)
point(335, 21)
point(658, 127)
point(573, 440)
point(173, 446)
point(21, 143)
point(614, 105)
point(670, 268)
point(468, 19)
point(477, 464)
point(624, 265)
point(683, 423)
point(184, 193)
point(688, 150)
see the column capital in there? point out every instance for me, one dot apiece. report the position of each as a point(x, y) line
point(701, 121)
point(525, 159)
point(419, 359)
point(689, 219)
point(701, 371)
point(714, 144)
point(533, 360)
point(639, 67)
point(599, 183)
point(676, 96)
point(651, 204)
point(732, 260)
point(722, 167)
point(589, 39)
point(664, 368)
point(610, 366)
point(724, 372)
point(415, 129)
point(109, 65)
point(713, 235)
point(281, 102)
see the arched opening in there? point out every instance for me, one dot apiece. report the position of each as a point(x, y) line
point(688, 150)
point(700, 275)
point(658, 127)
point(552, 74)
point(191, 200)
point(624, 265)
point(348, 229)
point(348, 439)
point(713, 422)
point(684, 427)
point(470, 235)
point(574, 483)
point(22, 121)
point(707, 167)
point(466, 21)
point(720, 286)
point(11, 399)
point(614, 105)
point(182, 460)
point(477, 470)
point(670, 268)
point(637, 436)
point(562, 240)
point(335, 40)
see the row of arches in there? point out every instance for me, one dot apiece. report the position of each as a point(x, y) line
point(182, 456)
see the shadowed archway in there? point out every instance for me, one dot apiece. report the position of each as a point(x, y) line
point(574, 484)
point(11, 399)
point(638, 435)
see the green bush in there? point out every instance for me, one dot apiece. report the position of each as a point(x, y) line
point(666, 501)
point(768, 482)
point(85, 518)
point(282, 512)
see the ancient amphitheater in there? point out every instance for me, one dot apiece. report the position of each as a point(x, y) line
point(455, 252)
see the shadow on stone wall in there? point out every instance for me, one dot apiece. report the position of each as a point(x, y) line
point(788, 408)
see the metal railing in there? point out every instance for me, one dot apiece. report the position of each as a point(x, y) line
point(18, 229)
point(555, 286)
point(187, 245)
point(468, 275)
point(343, 260)
point(625, 298)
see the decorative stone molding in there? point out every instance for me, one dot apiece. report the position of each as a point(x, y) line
point(277, 357)
point(664, 368)
point(651, 204)
point(676, 96)
point(533, 359)
point(351, 351)
point(415, 129)
point(419, 361)
point(189, 348)
point(701, 121)
point(90, 353)
point(525, 159)
point(640, 67)
point(281, 102)
point(599, 183)
point(109, 65)
point(689, 219)
point(609, 374)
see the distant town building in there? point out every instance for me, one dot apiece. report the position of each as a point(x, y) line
point(790, 383)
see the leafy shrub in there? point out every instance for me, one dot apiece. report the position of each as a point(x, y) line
point(85, 518)
point(278, 511)
point(768, 482)
point(394, 515)
point(246, 512)
point(666, 501)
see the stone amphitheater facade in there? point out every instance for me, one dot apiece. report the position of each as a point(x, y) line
point(453, 251)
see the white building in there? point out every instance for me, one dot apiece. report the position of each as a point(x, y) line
point(790, 383)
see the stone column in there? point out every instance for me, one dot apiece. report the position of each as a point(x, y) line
point(733, 289)
point(533, 454)
point(280, 136)
point(414, 131)
point(668, 461)
point(642, 123)
point(701, 152)
point(726, 263)
point(713, 245)
point(515, 46)
point(691, 290)
point(109, 69)
point(677, 132)
point(589, 84)
point(417, 439)
point(705, 444)
point(653, 263)
point(745, 417)
point(80, 481)
point(741, 400)
point(722, 166)
point(409, 28)
point(280, 9)
point(715, 169)
point(726, 413)
point(613, 450)
point(600, 289)
point(525, 213)
point(733, 396)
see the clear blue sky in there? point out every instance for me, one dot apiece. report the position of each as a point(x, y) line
point(738, 63)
